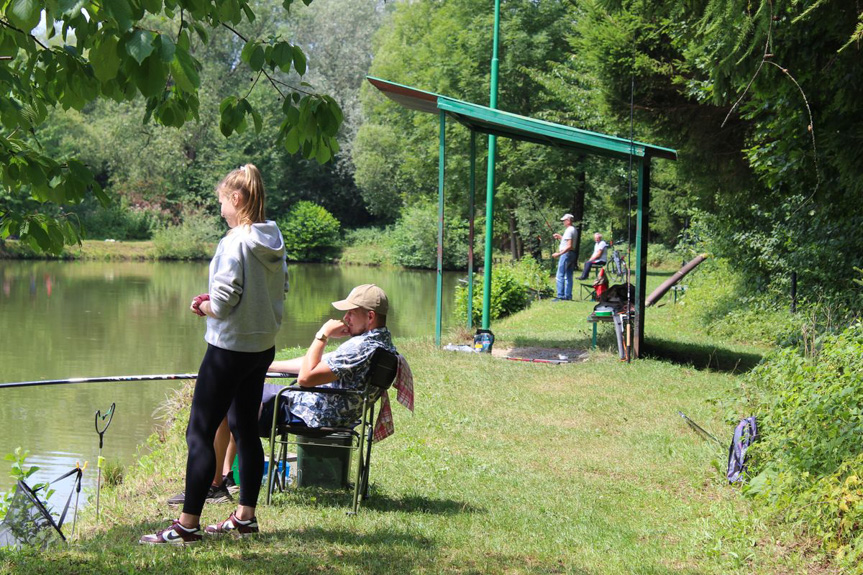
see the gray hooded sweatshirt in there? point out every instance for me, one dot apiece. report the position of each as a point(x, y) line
point(248, 282)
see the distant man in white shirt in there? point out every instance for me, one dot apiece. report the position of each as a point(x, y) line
point(599, 257)
point(566, 259)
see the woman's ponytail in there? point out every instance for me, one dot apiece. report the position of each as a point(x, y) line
point(248, 182)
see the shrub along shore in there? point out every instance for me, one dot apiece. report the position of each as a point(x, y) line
point(505, 467)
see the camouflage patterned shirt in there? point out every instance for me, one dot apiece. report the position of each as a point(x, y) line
point(350, 363)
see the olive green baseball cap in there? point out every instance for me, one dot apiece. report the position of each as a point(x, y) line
point(368, 296)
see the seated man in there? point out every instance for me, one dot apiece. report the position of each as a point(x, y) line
point(599, 256)
point(365, 322)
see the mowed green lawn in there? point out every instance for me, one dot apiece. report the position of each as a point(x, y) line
point(505, 467)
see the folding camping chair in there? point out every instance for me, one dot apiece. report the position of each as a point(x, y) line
point(357, 437)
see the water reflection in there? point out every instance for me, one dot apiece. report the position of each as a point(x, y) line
point(87, 319)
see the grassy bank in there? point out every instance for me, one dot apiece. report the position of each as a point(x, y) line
point(88, 250)
point(506, 467)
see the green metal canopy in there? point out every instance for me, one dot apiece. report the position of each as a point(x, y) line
point(484, 120)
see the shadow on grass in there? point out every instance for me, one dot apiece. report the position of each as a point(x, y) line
point(338, 498)
point(701, 356)
point(283, 551)
point(550, 343)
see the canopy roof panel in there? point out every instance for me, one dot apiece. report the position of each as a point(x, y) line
point(489, 121)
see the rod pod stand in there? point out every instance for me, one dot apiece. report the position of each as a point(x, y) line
point(109, 415)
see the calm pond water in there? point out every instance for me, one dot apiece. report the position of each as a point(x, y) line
point(86, 319)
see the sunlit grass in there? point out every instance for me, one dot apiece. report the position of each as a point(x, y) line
point(505, 467)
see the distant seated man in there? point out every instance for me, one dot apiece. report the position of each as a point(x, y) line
point(599, 256)
point(365, 321)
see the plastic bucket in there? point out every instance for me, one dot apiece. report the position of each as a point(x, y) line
point(483, 341)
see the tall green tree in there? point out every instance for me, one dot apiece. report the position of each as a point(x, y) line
point(445, 47)
point(122, 50)
point(761, 101)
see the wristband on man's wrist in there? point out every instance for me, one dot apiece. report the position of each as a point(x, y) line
point(322, 336)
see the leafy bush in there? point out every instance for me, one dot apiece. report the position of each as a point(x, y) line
point(368, 246)
point(193, 239)
point(809, 463)
point(512, 285)
point(414, 239)
point(658, 256)
point(312, 234)
point(119, 221)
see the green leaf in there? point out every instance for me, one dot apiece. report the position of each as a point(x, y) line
point(226, 129)
point(70, 7)
point(227, 119)
point(202, 33)
point(259, 121)
point(140, 45)
point(104, 59)
point(227, 102)
point(250, 15)
point(185, 71)
point(24, 14)
point(283, 56)
point(55, 234)
point(246, 53)
point(120, 12)
point(256, 60)
point(8, 47)
point(153, 6)
point(299, 60)
point(37, 235)
point(166, 48)
point(229, 11)
point(167, 116)
point(151, 77)
point(292, 140)
point(323, 154)
point(50, 28)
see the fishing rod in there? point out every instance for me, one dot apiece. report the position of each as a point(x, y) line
point(540, 212)
point(536, 360)
point(697, 428)
point(629, 314)
point(120, 378)
point(545, 219)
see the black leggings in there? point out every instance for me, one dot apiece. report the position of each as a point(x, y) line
point(229, 382)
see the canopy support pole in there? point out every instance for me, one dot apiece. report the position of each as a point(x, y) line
point(470, 233)
point(489, 193)
point(441, 162)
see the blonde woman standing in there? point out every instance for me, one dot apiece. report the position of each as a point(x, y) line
point(243, 307)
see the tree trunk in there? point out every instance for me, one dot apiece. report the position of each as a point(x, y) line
point(513, 240)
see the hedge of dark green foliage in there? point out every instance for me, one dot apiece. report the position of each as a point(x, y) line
point(513, 285)
point(312, 234)
point(808, 465)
